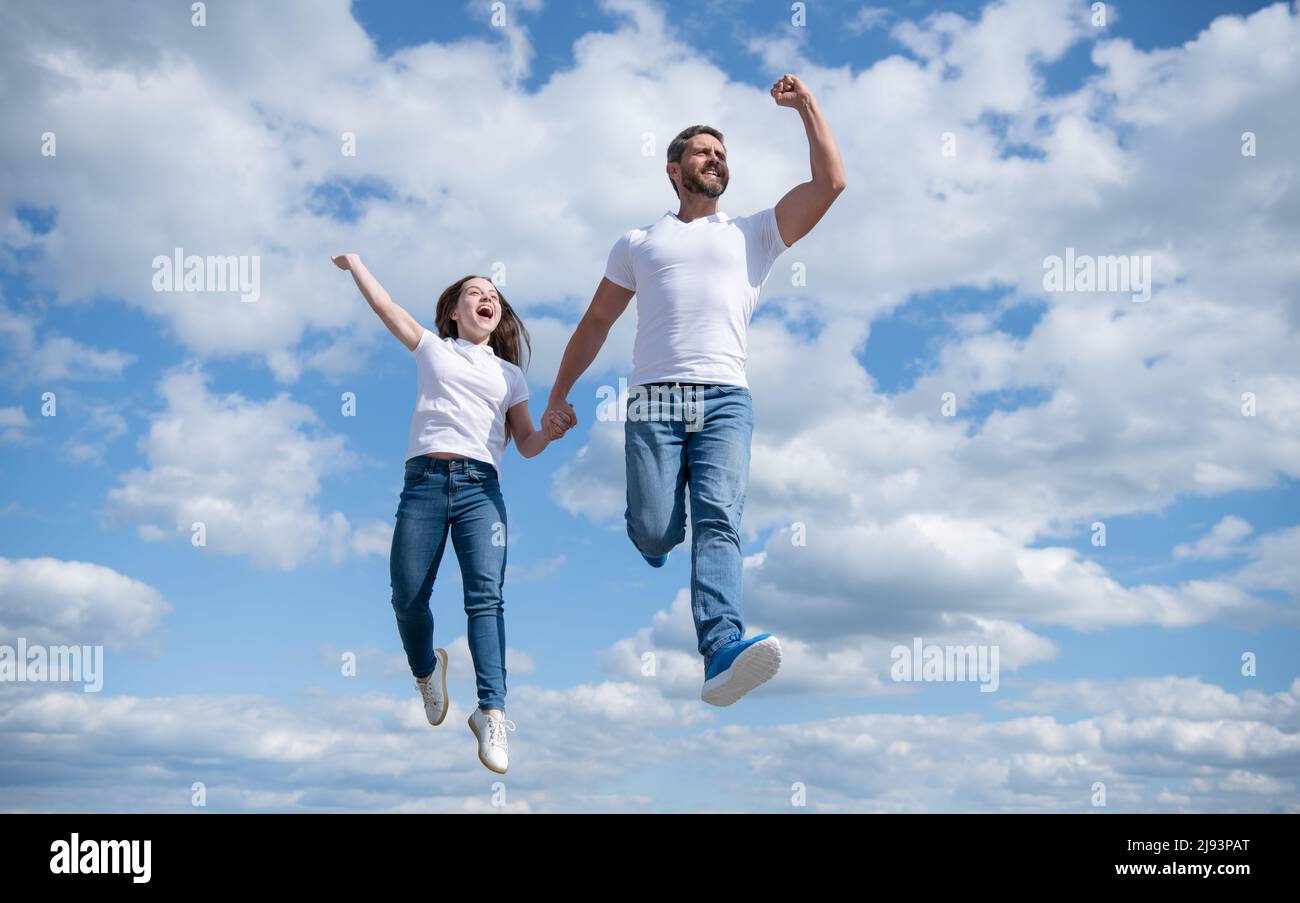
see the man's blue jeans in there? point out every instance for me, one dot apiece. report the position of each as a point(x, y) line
point(460, 496)
point(670, 448)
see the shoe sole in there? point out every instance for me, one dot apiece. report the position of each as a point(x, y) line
point(752, 668)
point(441, 655)
point(473, 731)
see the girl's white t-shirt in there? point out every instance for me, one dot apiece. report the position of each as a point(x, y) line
point(465, 391)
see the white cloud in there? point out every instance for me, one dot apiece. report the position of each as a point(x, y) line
point(594, 481)
point(1274, 564)
point(953, 523)
point(868, 17)
point(1166, 697)
point(967, 220)
point(248, 471)
point(49, 601)
point(535, 571)
point(256, 753)
point(98, 425)
point(1223, 540)
point(372, 538)
point(910, 574)
point(845, 665)
point(13, 425)
point(267, 147)
point(908, 763)
point(576, 749)
point(52, 357)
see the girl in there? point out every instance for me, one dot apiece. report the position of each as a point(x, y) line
point(472, 401)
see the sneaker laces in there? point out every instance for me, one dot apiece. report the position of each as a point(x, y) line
point(497, 728)
point(428, 690)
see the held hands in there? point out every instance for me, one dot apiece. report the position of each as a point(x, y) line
point(789, 91)
point(558, 420)
point(345, 261)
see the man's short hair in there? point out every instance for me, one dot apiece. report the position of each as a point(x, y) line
point(677, 146)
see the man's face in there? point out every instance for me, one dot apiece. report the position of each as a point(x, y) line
point(704, 166)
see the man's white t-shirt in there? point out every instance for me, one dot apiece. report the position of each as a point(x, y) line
point(465, 391)
point(696, 285)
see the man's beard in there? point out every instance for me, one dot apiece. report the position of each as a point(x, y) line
point(696, 184)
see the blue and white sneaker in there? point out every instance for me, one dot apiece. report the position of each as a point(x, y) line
point(655, 562)
point(739, 667)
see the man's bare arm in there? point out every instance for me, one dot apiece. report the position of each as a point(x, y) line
point(805, 204)
point(399, 322)
point(607, 305)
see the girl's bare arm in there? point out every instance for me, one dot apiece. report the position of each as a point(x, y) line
point(529, 440)
point(399, 322)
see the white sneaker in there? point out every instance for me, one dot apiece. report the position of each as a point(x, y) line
point(491, 733)
point(434, 689)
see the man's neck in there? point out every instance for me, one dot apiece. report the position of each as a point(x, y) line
point(695, 206)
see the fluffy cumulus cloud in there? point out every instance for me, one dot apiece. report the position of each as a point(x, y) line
point(1230, 753)
point(1220, 542)
point(49, 601)
point(247, 472)
point(849, 664)
point(155, 118)
point(622, 745)
point(49, 357)
point(355, 751)
point(14, 425)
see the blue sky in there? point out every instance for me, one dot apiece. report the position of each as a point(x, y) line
point(1141, 638)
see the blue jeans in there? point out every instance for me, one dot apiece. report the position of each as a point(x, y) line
point(670, 448)
point(460, 496)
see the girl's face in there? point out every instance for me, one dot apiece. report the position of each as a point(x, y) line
point(478, 310)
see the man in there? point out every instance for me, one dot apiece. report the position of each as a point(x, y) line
point(697, 276)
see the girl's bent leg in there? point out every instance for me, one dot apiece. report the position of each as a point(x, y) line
point(418, 542)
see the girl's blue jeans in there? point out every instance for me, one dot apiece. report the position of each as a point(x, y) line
point(460, 497)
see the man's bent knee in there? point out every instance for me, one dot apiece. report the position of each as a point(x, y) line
point(654, 538)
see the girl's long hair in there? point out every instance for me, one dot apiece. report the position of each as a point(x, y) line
point(508, 340)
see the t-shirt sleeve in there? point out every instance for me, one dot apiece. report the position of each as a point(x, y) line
point(425, 336)
point(768, 236)
point(618, 269)
point(518, 387)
